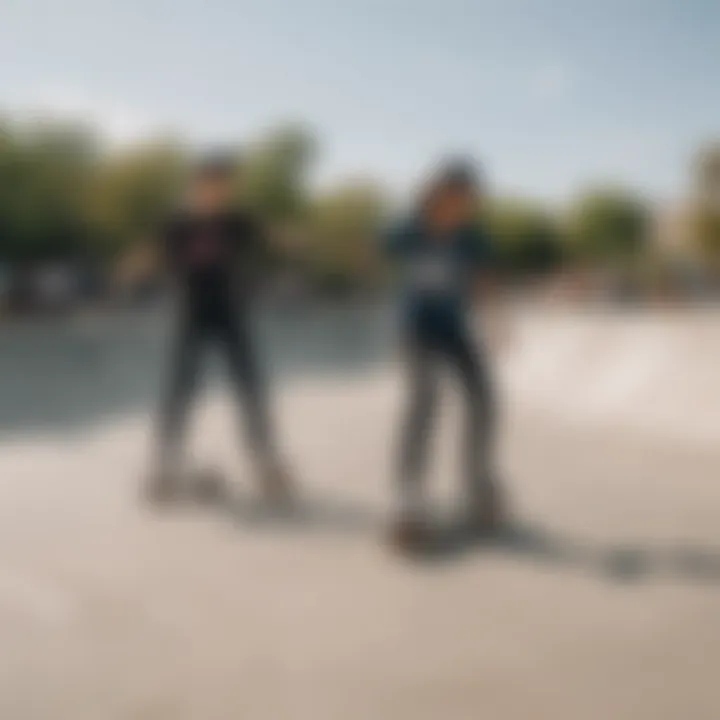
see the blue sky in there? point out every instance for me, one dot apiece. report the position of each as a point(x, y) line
point(550, 94)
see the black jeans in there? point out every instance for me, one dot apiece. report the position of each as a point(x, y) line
point(229, 332)
point(427, 352)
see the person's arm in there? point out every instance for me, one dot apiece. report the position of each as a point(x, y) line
point(258, 256)
point(481, 254)
point(488, 288)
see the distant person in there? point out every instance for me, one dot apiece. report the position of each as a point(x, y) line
point(443, 256)
point(214, 253)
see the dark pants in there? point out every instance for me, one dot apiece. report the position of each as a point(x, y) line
point(428, 352)
point(228, 332)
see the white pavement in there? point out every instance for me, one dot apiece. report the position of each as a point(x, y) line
point(604, 604)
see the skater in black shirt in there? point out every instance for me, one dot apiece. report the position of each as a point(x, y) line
point(214, 254)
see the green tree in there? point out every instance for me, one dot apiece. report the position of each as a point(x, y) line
point(706, 233)
point(705, 212)
point(275, 173)
point(526, 235)
point(340, 248)
point(707, 173)
point(610, 227)
point(132, 191)
point(45, 171)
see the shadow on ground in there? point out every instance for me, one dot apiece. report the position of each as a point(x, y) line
point(523, 541)
point(616, 562)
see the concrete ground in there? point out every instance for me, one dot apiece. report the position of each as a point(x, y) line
point(603, 602)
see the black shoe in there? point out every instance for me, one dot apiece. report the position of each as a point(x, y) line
point(410, 534)
point(209, 486)
point(161, 487)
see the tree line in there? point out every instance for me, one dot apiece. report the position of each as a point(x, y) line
point(66, 195)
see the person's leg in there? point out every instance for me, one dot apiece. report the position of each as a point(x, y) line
point(480, 428)
point(235, 337)
point(422, 388)
point(181, 387)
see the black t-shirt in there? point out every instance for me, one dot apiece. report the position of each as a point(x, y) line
point(216, 258)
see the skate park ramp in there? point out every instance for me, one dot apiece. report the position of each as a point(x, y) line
point(655, 373)
point(601, 600)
